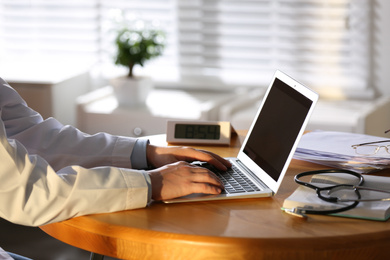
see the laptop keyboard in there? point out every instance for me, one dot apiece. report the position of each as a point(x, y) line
point(233, 179)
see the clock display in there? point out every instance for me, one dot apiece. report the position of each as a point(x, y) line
point(193, 131)
point(198, 132)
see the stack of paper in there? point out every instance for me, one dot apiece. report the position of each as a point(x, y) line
point(335, 149)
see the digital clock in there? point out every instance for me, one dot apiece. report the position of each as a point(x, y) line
point(199, 132)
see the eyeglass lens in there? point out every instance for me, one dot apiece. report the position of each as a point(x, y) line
point(371, 149)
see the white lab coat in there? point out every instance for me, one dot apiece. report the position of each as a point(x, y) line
point(50, 172)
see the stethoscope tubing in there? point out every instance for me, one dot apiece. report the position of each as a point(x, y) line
point(330, 199)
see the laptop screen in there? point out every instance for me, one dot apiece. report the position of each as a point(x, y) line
point(277, 127)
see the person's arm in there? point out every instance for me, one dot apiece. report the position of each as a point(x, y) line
point(39, 180)
point(60, 145)
point(33, 193)
point(39, 185)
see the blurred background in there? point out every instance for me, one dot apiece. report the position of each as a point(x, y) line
point(218, 58)
point(55, 51)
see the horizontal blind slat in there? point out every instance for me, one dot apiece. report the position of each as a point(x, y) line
point(208, 39)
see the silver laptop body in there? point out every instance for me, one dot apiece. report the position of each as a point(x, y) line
point(271, 140)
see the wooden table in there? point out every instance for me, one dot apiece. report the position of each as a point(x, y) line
point(235, 229)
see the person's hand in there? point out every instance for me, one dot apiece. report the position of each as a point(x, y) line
point(159, 156)
point(181, 179)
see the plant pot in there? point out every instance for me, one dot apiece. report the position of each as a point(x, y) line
point(131, 91)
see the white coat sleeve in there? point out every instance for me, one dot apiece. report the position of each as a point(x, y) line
point(60, 145)
point(34, 192)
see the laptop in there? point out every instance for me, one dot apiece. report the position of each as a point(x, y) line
point(271, 141)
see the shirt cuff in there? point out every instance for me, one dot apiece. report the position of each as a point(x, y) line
point(138, 156)
point(149, 183)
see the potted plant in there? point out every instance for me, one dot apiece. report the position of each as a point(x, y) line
point(135, 47)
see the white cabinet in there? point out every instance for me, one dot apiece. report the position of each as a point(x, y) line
point(50, 91)
point(98, 111)
point(354, 116)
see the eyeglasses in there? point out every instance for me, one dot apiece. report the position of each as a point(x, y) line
point(371, 148)
point(342, 188)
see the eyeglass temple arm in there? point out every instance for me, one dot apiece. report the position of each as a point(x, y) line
point(384, 141)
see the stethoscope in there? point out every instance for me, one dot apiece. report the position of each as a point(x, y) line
point(302, 211)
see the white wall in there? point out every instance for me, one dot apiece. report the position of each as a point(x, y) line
point(381, 47)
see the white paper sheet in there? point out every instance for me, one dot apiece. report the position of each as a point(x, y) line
point(335, 149)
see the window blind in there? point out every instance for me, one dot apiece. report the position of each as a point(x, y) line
point(324, 44)
point(44, 29)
